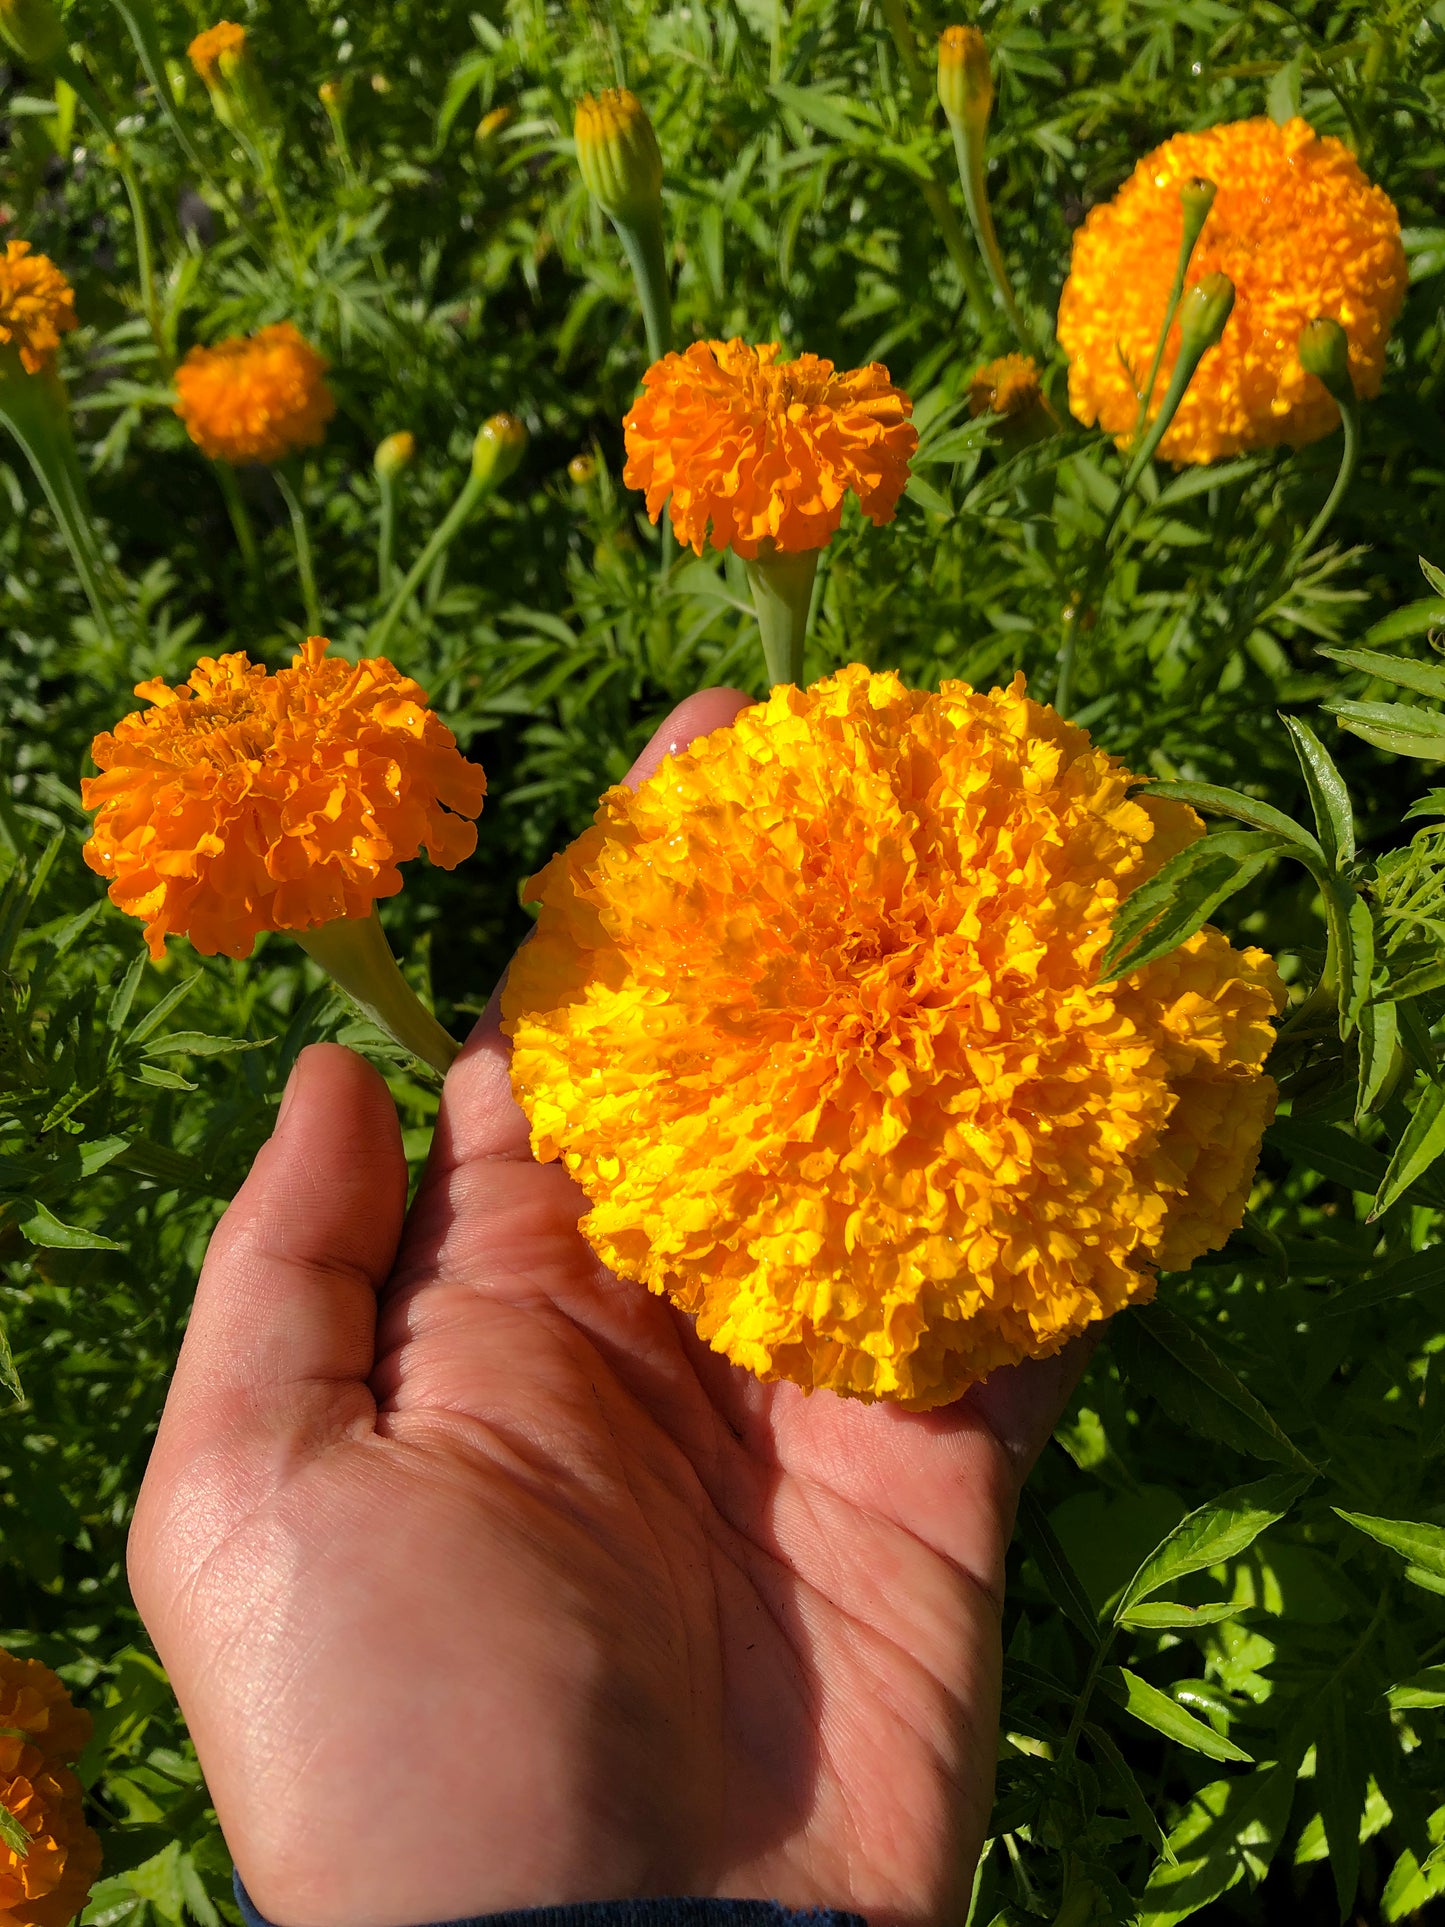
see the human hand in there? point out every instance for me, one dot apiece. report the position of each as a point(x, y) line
point(483, 1584)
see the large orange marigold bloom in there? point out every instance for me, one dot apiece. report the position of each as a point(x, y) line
point(1300, 232)
point(39, 1731)
point(763, 451)
point(255, 398)
point(244, 801)
point(37, 305)
point(207, 48)
point(814, 1018)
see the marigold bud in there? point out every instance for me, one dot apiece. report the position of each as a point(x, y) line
point(499, 447)
point(1203, 312)
point(34, 30)
point(394, 453)
point(582, 469)
point(1198, 197)
point(329, 94)
point(219, 53)
point(1324, 350)
point(965, 84)
point(618, 154)
point(490, 125)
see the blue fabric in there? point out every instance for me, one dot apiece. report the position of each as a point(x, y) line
point(628, 1913)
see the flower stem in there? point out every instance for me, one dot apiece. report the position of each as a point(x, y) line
point(782, 587)
point(354, 953)
point(646, 253)
point(968, 146)
point(1196, 201)
point(1349, 456)
point(474, 490)
point(140, 220)
point(240, 516)
point(386, 536)
point(302, 539)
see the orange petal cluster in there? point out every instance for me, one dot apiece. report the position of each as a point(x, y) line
point(37, 305)
point(814, 1017)
point(1008, 386)
point(1301, 233)
point(255, 398)
point(40, 1733)
point(763, 452)
point(207, 49)
point(244, 801)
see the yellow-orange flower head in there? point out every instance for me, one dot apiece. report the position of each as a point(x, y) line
point(244, 801)
point(814, 1018)
point(37, 306)
point(40, 1730)
point(1008, 386)
point(255, 398)
point(763, 451)
point(208, 49)
point(1300, 232)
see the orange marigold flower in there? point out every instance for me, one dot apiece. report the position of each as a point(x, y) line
point(207, 49)
point(764, 451)
point(255, 398)
point(1300, 232)
point(245, 801)
point(1008, 386)
point(37, 305)
point(814, 1018)
point(40, 1730)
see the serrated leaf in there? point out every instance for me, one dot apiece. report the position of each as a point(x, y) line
point(1214, 801)
point(1435, 577)
point(1165, 1615)
point(198, 1043)
point(1419, 982)
point(1340, 1776)
point(163, 1080)
point(155, 1017)
point(1181, 897)
point(1063, 1583)
point(121, 1002)
point(830, 113)
point(1352, 941)
point(1423, 677)
point(1379, 1037)
point(1421, 1690)
point(1231, 1830)
point(1122, 1774)
point(1171, 1362)
point(1423, 1545)
point(1213, 1533)
point(1398, 728)
point(43, 1228)
point(1414, 619)
point(1420, 1271)
point(12, 1835)
point(1330, 1151)
point(1421, 1143)
point(1168, 1717)
point(1329, 799)
point(927, 496)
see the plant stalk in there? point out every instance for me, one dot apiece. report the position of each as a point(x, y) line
point(304, 566)
point(1349, 458)
point(354, 953)
point(474, 491)
point(240, 515)
point(782, 587)
point(968, 146)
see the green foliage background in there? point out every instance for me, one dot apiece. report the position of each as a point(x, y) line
point(1250, 1730)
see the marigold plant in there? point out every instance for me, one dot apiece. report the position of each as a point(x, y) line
point(244, 801)
point(35, 1705)
point(208, 49)
point(759, 451)
point(46, 1885)
point(1300, 232)
point(37, 305)
point(814, 1017)
point(255, 398)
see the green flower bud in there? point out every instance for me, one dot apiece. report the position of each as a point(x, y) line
point(965, 84)
point(1324, 350)
point(394, 453)
point(618, 154)
point(1203, 312)
point(499, 447)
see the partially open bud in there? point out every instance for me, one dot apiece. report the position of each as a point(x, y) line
point(499, 447)
point(490, 125)
point(965, 84)
point(220, 57)
point(1009, 388)
point(582, 469)
point(1324, 350)
point(1203, 312)
point(1197, 197)
point(618, 154)
point(33, 28)
point(329, 93)
point(394, 453)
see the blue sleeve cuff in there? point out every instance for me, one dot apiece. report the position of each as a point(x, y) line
point(627, 1913)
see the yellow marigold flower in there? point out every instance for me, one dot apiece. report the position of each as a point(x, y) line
point(1299, 231)
point(245, 801)
point(37, 305)
point(1008, 386)
point(40, 1730)
point(765, 451)
point(814, 1018)
point(207, 49)
point(255, 398)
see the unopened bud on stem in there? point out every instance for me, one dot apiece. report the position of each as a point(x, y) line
point(499, 447)
point(965, 84)
point(1324, 351)
point(618, 154)
point(1203, 313)
point(394, 453)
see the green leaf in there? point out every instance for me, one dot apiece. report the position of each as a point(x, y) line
point(1422, 1545)
point(1329, 799)
point(43, 1228)
point(1330, 1151)
point(1340, 1776)
point(1423, 677)
point(198, 1043)
point(927, 496)
point(1181, 897)
point(125, 991)
point(1421, 1143)
point(1164, 1615)
point(1352, 937)
point(154, 1018)
point(830, 113)
point(1420, 1271)
point(13, 1835)
point(1171, 1362)
point(1231, 1830)
point(1421, 1690)
point(1399, 728)
point(1122, 1774)
point(1416, 983)
point(1379, 1036)
point(1168, 1717)
point(1214, 801)
point(1214, 1533)
point(1059, 1577)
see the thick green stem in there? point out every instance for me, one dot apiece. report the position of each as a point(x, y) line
point(935, 196)
point(968, 146)
point(1349, 456)
point(140, 220)
point(386, 535)
point(474, 491)
point(354, 953)
point(240, 516)
point(782, 587)
point(647, 257)
point(302, 540)
point(1196, 209)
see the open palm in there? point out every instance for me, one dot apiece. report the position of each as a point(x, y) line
point(483, 1584)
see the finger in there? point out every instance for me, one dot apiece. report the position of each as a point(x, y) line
point(1021, 1404)
point(281, 1334)
point(479, 1117)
